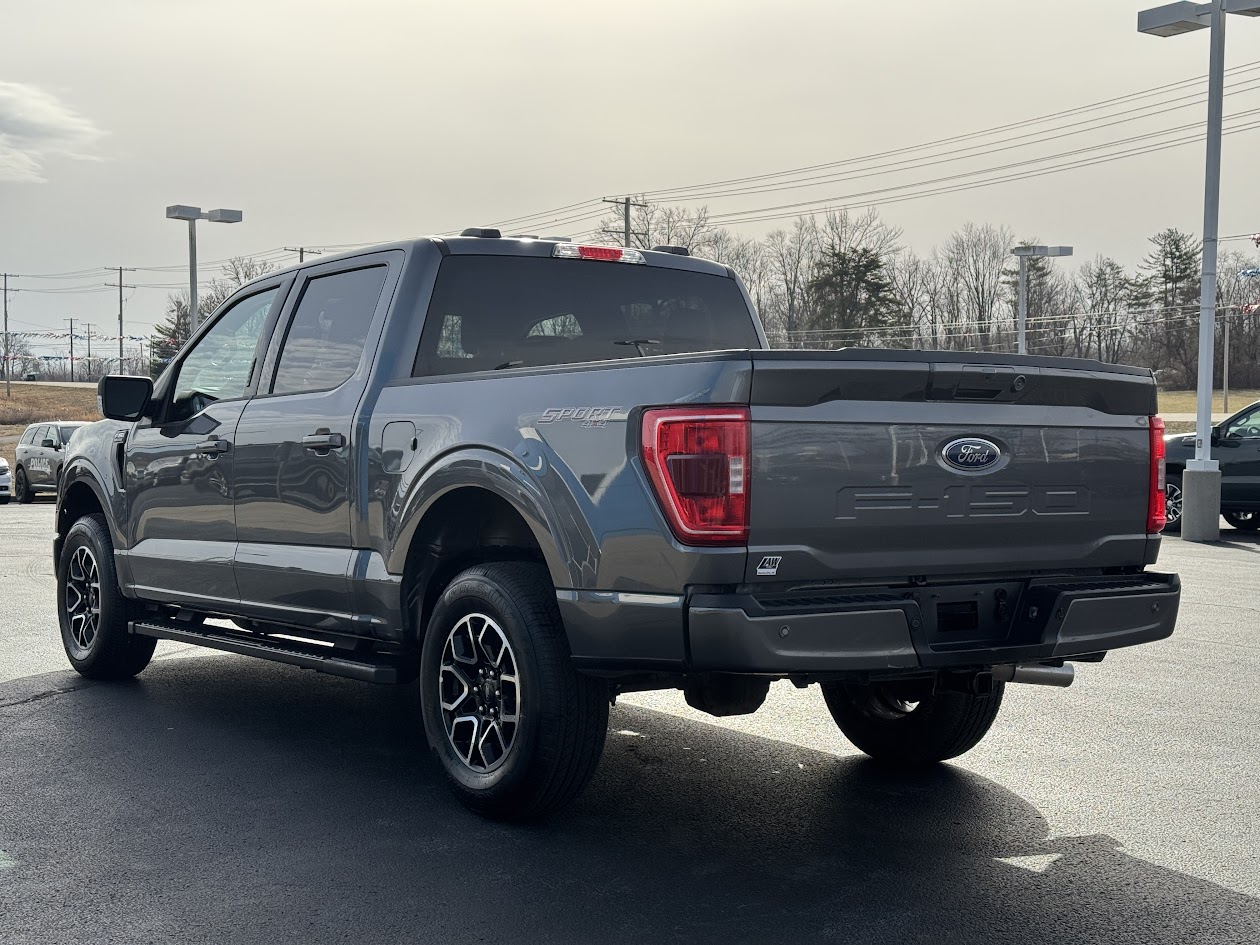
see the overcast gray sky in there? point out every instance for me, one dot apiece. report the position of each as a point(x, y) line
point(334, 122)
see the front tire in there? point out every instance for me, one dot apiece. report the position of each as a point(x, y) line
point(517, 730)
point(1243, 521)
point(22, 488)
point(91, 609)
point(887, 726)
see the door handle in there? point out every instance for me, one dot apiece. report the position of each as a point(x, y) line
point(322, 441)
point(212, 447)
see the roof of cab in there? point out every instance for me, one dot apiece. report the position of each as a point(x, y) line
point(505, 246)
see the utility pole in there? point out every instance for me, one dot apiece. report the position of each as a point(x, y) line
point(121, 286)
point(88, 361)
point(302, 251)
point(71, 321)
point(625, 203)
point(8, 354)
point(1225, 369)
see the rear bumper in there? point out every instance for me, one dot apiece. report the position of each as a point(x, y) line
point(895, 630)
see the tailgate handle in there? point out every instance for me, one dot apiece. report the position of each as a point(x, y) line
point(987, 382)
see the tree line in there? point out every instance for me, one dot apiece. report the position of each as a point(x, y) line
point(841, 279)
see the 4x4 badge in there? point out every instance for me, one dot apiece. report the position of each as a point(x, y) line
point(769, 566)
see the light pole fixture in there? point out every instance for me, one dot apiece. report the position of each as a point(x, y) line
point(1201, 482)
point(192, 215)
point(1025, 253)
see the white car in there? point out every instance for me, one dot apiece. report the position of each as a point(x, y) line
point(6, 481)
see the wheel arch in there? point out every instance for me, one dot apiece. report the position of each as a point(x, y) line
point(460, 528)
point(80, 495)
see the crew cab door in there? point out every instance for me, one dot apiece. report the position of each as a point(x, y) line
point(178, 465)
point(296, 466)
point(1238, 452)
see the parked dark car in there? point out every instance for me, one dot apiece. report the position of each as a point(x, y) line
point(39, 457)
point(535, 474)
point(1236, 447)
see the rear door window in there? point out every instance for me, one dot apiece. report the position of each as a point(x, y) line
point(495, 312)
point(325, 340)
point(29, 436)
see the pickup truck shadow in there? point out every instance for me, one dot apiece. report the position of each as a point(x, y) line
point(222, 800)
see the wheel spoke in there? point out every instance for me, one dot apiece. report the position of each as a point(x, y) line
point(465, 722)
point(448, 672)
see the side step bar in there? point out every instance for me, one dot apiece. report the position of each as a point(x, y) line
point(367, 667)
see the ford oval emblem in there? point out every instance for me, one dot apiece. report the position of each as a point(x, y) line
point(971, 453)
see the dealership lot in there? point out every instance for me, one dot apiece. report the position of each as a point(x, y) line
point(222, 799)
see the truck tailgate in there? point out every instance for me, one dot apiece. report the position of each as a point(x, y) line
point(882, 464)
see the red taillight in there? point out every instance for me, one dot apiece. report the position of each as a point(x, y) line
point(698, 461)
point(1156, 517)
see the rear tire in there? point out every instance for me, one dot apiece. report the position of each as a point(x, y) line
point(937, 727)
point(92, 611)
point(517, 730)
point(22, 488)
point(1243, 521)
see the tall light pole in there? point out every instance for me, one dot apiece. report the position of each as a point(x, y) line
point(192, 215)
point(1025, 253)
point(1201, 482)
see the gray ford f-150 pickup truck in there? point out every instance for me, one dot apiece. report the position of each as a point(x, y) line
point(534, 474)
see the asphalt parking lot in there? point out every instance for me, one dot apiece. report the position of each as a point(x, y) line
point(219, 799)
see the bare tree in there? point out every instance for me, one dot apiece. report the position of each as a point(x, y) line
point(841, 232)
point(913, 281)
point(748, 258)
point(975, 258)
point(792, 255)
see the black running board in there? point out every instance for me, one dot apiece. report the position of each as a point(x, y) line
point(306, 655)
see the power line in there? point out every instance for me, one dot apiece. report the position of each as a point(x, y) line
point(958, 155)
point(1146, 93)
point(852, 200)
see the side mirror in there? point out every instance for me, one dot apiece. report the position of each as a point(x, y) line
point(1216, 436)
point(122, 397)
point(48, 444)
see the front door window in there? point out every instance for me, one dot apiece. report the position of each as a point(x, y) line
point(221, 364)
point(1245, 426)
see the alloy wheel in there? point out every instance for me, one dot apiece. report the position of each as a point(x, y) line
point(83, 601)
point(479, 689)
point(1172, 504)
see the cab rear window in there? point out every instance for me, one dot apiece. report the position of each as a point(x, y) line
point(495, 312)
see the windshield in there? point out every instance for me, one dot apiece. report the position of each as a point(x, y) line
point(496, 312)
point(67, 431)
